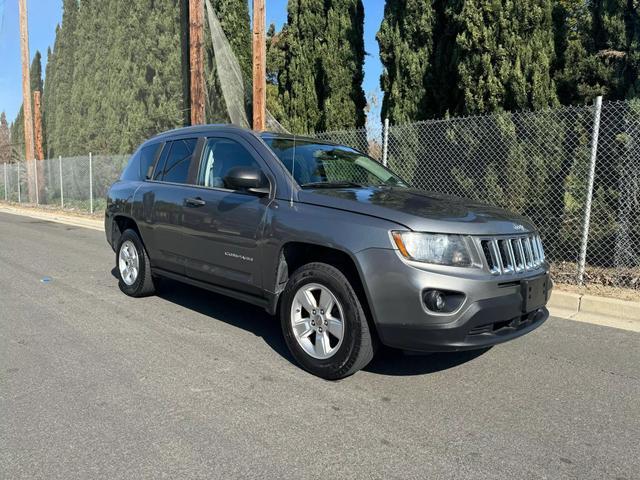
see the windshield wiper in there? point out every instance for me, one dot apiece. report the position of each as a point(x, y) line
point(340, 184)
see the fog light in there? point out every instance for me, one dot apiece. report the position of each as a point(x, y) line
point(435, 300)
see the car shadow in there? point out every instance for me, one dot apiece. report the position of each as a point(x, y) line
point(393, 362)
point(388, 361)
point(225, 309)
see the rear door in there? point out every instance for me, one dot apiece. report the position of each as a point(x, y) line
point(163, 200)
point(224, 226)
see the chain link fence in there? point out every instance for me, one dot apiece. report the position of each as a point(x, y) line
point(74, 183)
point(576, 177)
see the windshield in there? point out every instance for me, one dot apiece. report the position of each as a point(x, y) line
point(320, 165)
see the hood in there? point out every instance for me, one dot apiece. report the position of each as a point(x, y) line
point(420, 210)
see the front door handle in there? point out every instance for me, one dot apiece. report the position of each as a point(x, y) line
point(195, 202)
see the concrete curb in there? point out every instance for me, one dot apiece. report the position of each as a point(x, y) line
point(605, 311)
point(57, 217)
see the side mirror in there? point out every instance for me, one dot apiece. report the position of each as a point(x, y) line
point(247, 178)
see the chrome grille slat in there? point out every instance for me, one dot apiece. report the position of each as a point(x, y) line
point(528, 252)
point(536, 252)
point(493, 244)
point(520, 249)
point(512, 254)
point(507, 259)
point(512, 257)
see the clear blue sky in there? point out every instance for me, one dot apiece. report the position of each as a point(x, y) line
point(44, 15)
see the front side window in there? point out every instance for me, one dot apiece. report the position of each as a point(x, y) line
point(221, 155)
point(175, 168)
point(322, 165)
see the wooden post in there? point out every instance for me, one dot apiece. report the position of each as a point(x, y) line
point(37, 125)
point(26, 96)
point(259, 66)
point(196, 60)
point(39, 152)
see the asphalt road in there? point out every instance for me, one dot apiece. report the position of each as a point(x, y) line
point(190, 384)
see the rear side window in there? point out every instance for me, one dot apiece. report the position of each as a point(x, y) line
point(140, 164)
point(175, 168)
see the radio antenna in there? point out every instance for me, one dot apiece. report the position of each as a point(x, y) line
point(293, 166)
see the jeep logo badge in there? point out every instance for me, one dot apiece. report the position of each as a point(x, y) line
point(519, 228)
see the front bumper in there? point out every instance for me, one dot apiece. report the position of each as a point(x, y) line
point(490, 314)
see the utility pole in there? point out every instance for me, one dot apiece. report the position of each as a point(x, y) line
point(37, 127)
point(259, 66)
point(196, 60)
point(26, 95)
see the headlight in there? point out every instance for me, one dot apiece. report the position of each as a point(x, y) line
point(435, 248)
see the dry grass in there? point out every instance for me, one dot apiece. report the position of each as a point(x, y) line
point(601, 291)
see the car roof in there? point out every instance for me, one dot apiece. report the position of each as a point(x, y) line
point(222, 127)
point(199, 129)
point(290, 136)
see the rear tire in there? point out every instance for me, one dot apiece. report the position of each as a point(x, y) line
point(133, 267)
point(331, 344)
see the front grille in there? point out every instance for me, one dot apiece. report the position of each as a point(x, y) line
point(508, 255)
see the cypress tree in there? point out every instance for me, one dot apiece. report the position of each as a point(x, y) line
point(58, 126)
point(503, 54)
point(275, 65)
point(598, 46)
point(320, 84)
point(49, 97)
point(114, 77)
point(5, 139)
point(406, 46)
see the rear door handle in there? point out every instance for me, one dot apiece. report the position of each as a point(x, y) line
point(195, 202)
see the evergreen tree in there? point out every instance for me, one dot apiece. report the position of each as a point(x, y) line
point(503, 54)
point(275, 65)
point(5, 139)
point(49, 98)
point(598, 47)
point(115, 76)
point(59, 128)
point(320, 83)
point(406, 46)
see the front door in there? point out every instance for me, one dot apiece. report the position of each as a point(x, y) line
point(223, 227)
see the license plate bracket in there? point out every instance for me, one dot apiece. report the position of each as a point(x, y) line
point(534, 293)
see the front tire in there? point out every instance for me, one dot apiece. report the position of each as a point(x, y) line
point(133, 267)
point(324, 324)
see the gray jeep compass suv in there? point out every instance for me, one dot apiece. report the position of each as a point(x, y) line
point(338, 246)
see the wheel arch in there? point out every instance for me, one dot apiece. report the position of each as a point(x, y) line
point(295, 254)
point(120, 223)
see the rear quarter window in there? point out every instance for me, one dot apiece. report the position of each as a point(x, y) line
point(141, 163)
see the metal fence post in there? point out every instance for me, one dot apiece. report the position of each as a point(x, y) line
point(61, 182)
point(90, 184)
point(592, 172)
point(385, 141)
point(35, 176)
point(19, 193)
point(6, 197)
